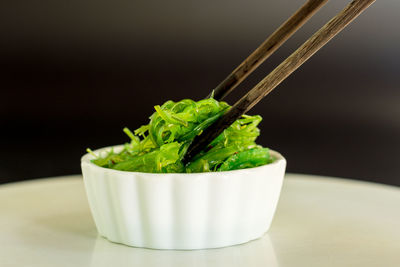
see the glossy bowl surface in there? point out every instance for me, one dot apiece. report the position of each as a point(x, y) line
point(183, 210)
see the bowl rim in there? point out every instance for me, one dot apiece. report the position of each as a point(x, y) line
point(86, 159)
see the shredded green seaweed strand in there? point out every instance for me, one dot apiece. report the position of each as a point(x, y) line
point(159, 146)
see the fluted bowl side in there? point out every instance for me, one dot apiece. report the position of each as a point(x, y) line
point(182, 210)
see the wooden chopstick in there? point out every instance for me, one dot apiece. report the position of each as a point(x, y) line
point(287, 67)
point(268, 47)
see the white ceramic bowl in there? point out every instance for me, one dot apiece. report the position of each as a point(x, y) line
point(183, 210)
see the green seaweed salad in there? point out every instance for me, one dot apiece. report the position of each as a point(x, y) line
point(159, 146)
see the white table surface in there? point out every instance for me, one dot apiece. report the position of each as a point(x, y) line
point(320, 221)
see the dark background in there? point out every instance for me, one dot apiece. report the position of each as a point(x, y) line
point(74, 73)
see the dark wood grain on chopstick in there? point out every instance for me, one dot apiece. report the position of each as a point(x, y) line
point(268, 47)
point(288, 66)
